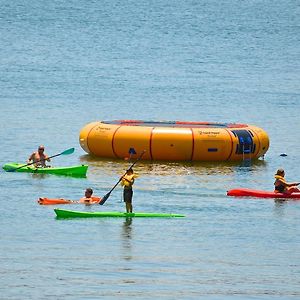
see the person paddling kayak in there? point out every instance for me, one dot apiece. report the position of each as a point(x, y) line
point(281, 186)
point(88, 198)
point(39, 158)
point(127, 182)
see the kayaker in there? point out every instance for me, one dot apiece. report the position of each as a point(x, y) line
point(127, 182)
point(39, 158)
point(281, 186)
point(88, 198)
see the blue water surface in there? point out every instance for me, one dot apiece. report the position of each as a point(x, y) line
point(64, 64)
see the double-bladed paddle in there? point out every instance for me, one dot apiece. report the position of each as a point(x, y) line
point(103, 200)
point(66, 152)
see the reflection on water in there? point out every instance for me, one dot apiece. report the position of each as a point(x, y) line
point(279, 207)
point(38, 176)
point(42, 175)
point(126, 236)
point(188, 177)
point(161, 168)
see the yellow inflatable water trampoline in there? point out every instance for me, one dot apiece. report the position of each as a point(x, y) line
point(174, 141)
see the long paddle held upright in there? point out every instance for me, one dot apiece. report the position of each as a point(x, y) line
point(66, 152)
point(103, 200)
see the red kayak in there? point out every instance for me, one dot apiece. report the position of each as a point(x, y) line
point(53, 201)
point(260, 194)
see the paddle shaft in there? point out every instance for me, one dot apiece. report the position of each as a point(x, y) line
point(108, 194)
point(69, 151)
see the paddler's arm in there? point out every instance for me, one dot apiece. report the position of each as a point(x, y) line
point(30, 158)
point(130, 181)
point(124, 178)
point(283, 182)
point(292, 184)
point(47, 158)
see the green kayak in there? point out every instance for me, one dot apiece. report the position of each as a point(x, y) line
point(79, 171)
point(63, 214)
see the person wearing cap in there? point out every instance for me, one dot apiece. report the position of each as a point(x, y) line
point(127, 182)
point(281, 186)
point(39, 158)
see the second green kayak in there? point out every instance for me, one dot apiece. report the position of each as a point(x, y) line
point(63, 214)
point(79, 171)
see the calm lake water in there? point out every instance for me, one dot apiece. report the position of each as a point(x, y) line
point(64, 64)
